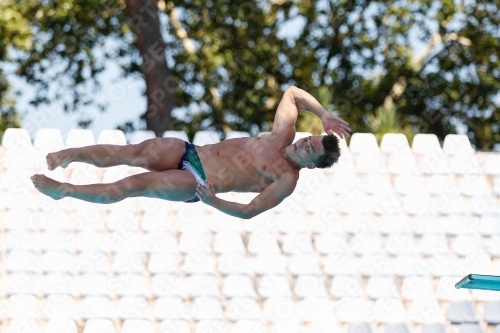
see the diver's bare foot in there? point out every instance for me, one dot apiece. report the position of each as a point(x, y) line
point(49, 187)
point(61, 158)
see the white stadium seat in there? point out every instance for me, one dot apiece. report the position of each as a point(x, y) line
point(309, 285)
point(371, 162)
point(243, 308)
point(238, 285)
point(274, 286)
point(225, 242)
point(465, 165)
point(404, 163)
point(345, 286)
point(457, 144)
point(279, 308)
point(198, 263)
point(137, 325)
point(99, 326)
point(362, 143)
point(375, 243)
point(491, 165)
point(19, 325)
point(133, 307)
point(194, 242)
point(202, 138)
point(389, 310)
point(48, 140)
point(339, 264)
point(60, 307)
point(79, 138)
point(163, 263)
point(60, 284)
point(234, 263)
point(200, 285)
point(263, 241)
point(269, 264)
point(249, 326)
point(140, 136)
point(299, 243)
point(434, 163)
point(16, 139)
point(58, 325)
point(176, 134)
point(174, 326)
point(207, 308)
point(353, 310)
point(237, 134)
point(211, 326)
point(286, 326)
point(20, 283)
point(300, 264)
point(171, 308)
point(379, 287)
point(426, 143)
point(112, 137)
point(394, 143)
point(23, 306)
point(97, 307)
point(19, 152)
point(425, 311)
point(461, 312)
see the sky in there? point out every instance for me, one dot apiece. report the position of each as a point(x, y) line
point(125, 97)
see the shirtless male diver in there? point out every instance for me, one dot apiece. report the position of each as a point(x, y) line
point(181, 171)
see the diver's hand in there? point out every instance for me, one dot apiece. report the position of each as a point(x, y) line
point(206, 195)
point(332, 123)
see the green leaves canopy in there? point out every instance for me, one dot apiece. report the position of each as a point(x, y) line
point(356, 56)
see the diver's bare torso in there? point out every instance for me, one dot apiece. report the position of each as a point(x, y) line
point(247, 164)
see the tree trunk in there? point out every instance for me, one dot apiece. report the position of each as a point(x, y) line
point(160, 91)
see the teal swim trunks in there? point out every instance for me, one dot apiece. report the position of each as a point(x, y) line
point(190, 162)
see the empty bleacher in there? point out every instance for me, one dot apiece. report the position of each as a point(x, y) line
point(373, 245)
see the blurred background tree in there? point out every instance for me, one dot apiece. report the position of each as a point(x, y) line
point(363, 53)
point(14, 32)
point(229, 61)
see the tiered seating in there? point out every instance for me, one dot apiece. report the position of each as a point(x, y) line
point(374, 244)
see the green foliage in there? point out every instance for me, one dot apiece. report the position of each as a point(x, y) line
point(9, 117)
point(307, 121)
point(389, 121)
point(351, 54)
point(236, 64)
point(14, 32)
point(454, 82)
point(67, 47)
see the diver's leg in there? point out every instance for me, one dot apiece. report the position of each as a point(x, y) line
point(173, 185)
point(154, 154)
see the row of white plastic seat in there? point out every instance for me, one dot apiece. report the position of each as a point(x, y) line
point(406, 163)
point(216, 326)
point(241, 326)
point(364, 240)
point(469, 185)
point(436, 263)
point(95, 219)
point(276, 309)
point(359, 142)
point(19, 138)
point(239, 286)
point(352, 201)
point(166, 326)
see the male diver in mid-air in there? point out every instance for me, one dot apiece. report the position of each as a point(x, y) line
point(181, 171)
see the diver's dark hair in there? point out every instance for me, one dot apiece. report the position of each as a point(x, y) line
point(332, 152)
